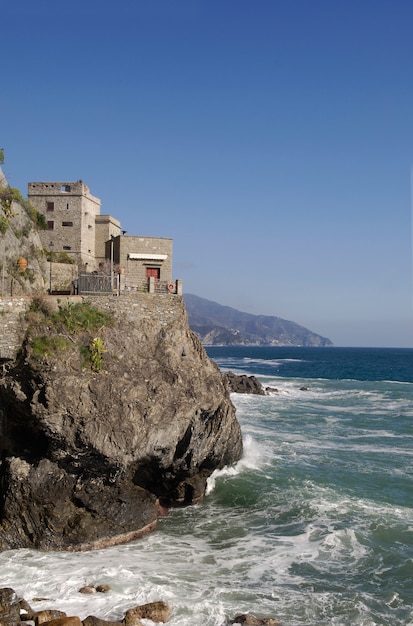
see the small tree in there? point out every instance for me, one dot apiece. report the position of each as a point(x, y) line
point(1, 155)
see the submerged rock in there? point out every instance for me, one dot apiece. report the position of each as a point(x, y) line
point(250, 620)
point(92, 456)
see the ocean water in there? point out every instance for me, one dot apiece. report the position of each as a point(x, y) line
point(313, 526)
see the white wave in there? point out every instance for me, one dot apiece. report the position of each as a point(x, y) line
point(253, 458)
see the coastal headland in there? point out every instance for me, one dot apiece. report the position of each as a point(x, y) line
point(111, 413)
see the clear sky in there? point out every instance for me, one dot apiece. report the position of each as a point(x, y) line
point(271, 139)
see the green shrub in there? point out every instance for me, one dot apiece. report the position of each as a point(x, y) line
point(37, 218)
point(63, 257)
point(4, 224)
point(97, 350)
point(8, 195)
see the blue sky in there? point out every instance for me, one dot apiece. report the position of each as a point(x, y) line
point(271, 139)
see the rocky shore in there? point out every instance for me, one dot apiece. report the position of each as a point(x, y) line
point(15, 611)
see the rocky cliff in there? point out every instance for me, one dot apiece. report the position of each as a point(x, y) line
point(111, 413)
point(19, 238)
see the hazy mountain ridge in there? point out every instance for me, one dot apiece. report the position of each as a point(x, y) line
point(216, 324)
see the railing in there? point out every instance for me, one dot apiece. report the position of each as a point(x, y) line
point(152, 285)
point(95, 284)
point(101, 284)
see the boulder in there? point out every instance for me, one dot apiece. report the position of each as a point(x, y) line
point(46, 616)
point(91, 620)
point(64, 621)
point(155, 611)
point(9, 607)
point(241, 383)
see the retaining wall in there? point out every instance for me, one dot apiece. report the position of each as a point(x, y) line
point(162, 307)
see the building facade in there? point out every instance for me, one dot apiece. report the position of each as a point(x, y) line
point(74, 223)
point(96, 242)
point(141, 258)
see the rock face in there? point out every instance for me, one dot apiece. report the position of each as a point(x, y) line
point(19, 237)
point(90, 458)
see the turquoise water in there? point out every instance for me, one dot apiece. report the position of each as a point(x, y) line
point(313, 526)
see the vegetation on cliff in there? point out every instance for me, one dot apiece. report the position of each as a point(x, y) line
point(52, 330)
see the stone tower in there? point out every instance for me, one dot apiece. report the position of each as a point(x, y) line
point(70, 211)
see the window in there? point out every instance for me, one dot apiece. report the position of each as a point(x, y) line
point(67, 223)
point(90, 226)
point(65, 188)
point(67, 247)
point(50, 206)
point(50, 225)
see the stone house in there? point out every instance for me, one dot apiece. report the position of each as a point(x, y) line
point(76, 227)
point(140, 258)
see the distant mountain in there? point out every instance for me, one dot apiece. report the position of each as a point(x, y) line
point(219, 325)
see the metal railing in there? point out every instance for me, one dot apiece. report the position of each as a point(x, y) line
point(95, 284)
point(102, 284)
point(158, 286)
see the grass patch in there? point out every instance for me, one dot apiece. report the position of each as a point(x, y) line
point(81, 317)
point(74, 318)
point(52, 332)
point(46, 345)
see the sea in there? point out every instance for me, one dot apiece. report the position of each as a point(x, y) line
point(313, 526)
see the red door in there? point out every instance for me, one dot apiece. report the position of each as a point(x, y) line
point(154, 272)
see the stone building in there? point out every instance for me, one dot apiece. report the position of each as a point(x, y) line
point(96, 242)
point(141, 258)
point(74, 223)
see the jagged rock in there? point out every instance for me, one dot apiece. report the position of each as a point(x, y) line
point(241, 383)
point(92, 458)
point(26, 611)
point(9, 607)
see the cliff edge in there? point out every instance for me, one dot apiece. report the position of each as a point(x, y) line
point(111, 413)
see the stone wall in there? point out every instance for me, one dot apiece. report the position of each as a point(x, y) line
point(128, 306)
point(61, 276)
point(12, 327)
